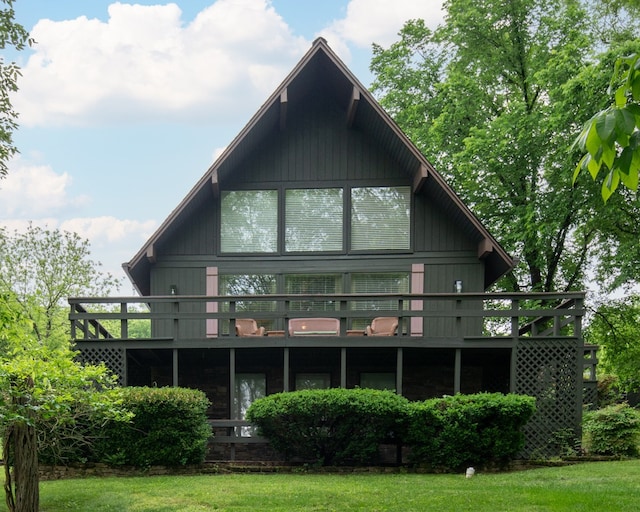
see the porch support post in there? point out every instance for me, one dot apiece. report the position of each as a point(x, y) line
point(512, 369)
point(285, 370)
point(343, 367)
point(175, 367)
point(232, 382)
point(125, 369)
point(457, 371)
point(399, 365)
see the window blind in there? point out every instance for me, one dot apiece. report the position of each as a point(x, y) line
point(249, 221)
point(380, 218)
point(313, 220)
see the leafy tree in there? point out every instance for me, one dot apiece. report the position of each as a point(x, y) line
point(611, 138)
point(494, 98)
point(616, 328)
point(41, 386)
point(41, 268)
point(13, 35)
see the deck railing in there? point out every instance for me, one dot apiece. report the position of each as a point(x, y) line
point(444, 315)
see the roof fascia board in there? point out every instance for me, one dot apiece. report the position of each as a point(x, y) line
point(283, 109)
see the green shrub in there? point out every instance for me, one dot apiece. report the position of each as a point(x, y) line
point(457, 431)
point(330, 426)
point(613, 430)
point(169, 428)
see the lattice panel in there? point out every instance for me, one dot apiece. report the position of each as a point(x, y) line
point(113, 358)
point(549, 370)
point(590, 395)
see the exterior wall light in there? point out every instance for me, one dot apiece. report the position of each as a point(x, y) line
point(173, 289)
point(457, 286)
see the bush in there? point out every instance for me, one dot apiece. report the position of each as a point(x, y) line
point(613, 430)
point(330, 426)
point(457, 431)
point(169, 428)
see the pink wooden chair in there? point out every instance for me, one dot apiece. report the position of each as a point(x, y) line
point(248, 327)
point(383, 326)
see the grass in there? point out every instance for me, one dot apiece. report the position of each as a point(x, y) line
point(605, 486)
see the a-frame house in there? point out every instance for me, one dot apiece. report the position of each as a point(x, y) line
point(322, 249)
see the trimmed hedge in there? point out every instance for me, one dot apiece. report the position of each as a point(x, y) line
point(346, 426)
point(457, 431)
point(612, 430)
point(169, 428)
point(330, 426)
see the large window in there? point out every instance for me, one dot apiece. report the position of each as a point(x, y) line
point(249, 284)
point(249, 221)
point(388, 282)
point(305, 284)
point(380, 218)
point(313, 220)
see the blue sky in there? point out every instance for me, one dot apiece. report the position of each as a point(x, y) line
point(124, 106)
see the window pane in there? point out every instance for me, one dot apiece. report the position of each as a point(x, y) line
point(380, 218)
point(396, 282)
point(313, 220)
point(248, 388)
point(312, 284)
point(249, 284)
point(313, 381)
point(378, 381)
point(249, 221)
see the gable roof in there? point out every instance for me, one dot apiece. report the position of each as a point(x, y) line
point(320, 65)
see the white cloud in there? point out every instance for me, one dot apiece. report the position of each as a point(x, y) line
point(145, 64)
point(32, 190)
point(379, 21)
point(106, 229)
point(113, 241)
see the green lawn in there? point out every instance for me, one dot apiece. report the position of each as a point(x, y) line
point(598, 486)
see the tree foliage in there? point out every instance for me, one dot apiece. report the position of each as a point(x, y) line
point(14, 35)
point(611, 138)
point(40, 269)
point(494, 98)
point(41, 386)
point(616, 329)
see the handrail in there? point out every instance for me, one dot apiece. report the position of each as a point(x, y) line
point(505, 314)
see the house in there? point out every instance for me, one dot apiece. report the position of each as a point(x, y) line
point(320, 217)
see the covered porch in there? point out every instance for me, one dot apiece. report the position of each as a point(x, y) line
point(444, 344)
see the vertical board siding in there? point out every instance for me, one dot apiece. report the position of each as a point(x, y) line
point(196, 235)
point(316, 146)
point(190, 281)
point(435, 231)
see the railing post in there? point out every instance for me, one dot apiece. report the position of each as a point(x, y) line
point(515, 308)
point(285, 313)
point(176, 321)
point(458, 306)
point(232, 321)
point(73, 322)
point(577, 319)
point(344, 307)
point(124, 329)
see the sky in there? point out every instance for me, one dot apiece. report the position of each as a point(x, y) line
point(124, 106)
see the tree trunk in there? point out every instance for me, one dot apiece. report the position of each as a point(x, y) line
point(21, 481)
